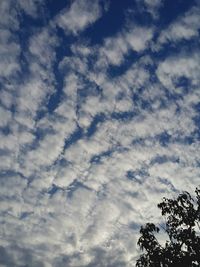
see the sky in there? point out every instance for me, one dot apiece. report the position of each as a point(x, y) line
point(99, 120)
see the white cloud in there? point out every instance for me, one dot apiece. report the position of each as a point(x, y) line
point(153, 7)
point(185, 27)
point(31, 7)
point(176, 67)
point(5, 117)
point(79, 16)
point(9, 52)
point(115, 49)
point(8, 13)
point(9, 46)
point(42, 46)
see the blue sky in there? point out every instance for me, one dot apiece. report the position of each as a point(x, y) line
point(99, 119)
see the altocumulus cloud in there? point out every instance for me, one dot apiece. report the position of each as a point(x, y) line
point(99, 119)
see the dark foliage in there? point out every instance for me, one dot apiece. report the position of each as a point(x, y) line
point(182, 216)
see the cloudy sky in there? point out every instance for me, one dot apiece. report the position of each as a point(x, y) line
point(99, 119)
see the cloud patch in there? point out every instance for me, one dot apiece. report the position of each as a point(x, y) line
point(79, 16)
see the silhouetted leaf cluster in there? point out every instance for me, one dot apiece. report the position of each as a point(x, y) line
point(182, 216)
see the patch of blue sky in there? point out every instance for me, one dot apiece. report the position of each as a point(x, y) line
point(196, 133)
point(87, 89)
point(54, 188)
point(111, 23)
point(160, 159)
point(136, 176)
point(129, 60)
point(5, 130)
point(96, 159)
point(123, 116)
point(57, 96)
point(25, 215)
point(62, 50)
point(170, 10)
point(7, 174)
point(164, 138)
point(55, 8)
point(75, 185)
point(169, 184)
point(96, 122)
point(139, 103)
point(74, 137)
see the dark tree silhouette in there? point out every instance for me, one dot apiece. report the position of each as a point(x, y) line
point(182, 217)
